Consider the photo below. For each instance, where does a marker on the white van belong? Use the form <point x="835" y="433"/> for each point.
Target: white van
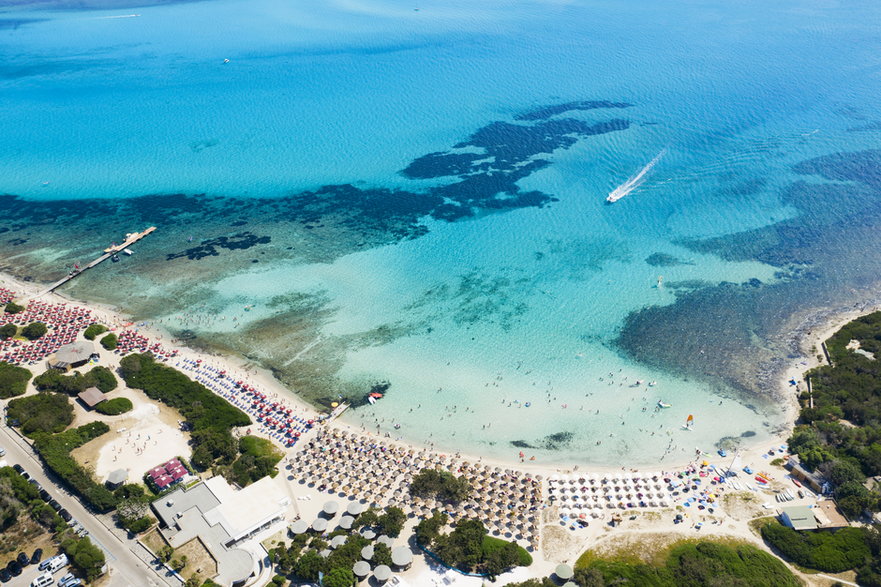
<point x="56" y="562"/>
<point x="43" y="580"/>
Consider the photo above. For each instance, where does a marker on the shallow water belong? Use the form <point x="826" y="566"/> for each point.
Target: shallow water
<point x="371" y="193"/>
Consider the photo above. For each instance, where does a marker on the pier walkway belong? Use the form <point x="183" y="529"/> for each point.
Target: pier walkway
<point x="130" y="239"/>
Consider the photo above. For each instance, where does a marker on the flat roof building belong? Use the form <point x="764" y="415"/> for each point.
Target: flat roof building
<point x="798" y="517"/>
<point x="222" y="517"/>
<point x="91" y="397"/>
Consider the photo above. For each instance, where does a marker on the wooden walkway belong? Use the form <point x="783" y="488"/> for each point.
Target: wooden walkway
<point x="130" y="239"/>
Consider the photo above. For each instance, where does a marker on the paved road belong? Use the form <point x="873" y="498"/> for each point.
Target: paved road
<point x="127" y="570"/>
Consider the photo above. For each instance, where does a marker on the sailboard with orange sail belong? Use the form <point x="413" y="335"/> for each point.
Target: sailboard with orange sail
<point x="689" y="422"/>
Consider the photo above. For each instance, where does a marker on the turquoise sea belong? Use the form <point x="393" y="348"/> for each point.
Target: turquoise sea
<point x="411" y="195"/>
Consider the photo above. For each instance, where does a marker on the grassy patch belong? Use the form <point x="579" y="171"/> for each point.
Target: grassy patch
<point x="43" y="412"/>
<point x="13" y="380"/>
<point x="115" y="406"/>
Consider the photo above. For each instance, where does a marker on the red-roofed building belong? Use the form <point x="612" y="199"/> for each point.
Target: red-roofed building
<point x="163" y="481"/>
<point x="178" y="473"/>
<point x="172" y="465"/>
<point x="156" y="473"/>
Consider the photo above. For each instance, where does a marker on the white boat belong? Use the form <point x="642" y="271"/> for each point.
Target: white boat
<point x="128" y="251"/>
<point x="634" y="182"/>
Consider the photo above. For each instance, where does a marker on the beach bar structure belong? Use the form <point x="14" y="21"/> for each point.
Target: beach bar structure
<point x="71" y="356"/>
<point x="91" y="397"/>
<point x="798" y="517"/>
<point x="812" y="480"/>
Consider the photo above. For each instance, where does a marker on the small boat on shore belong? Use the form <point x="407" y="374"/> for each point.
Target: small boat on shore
<point x="128" y="251"/>
<point x="664" y="405"/>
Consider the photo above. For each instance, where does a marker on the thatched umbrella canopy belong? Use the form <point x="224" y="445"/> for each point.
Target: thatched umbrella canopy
<point x="346" y="522"/>
<point x="564" y="572"/>
<point x="402" y="557"/>
<point x="367" y="552"/>
<point x="319" y="525"/>
<point x="298" y="527"/>
<point x="361" y="569"/>
<point x="337" y="541"/>
<point x="382" y="573"/>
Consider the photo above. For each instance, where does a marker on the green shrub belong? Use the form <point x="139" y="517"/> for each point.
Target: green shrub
<point x="109" y="342"/>
<point x="694" y="564"/>
<point x="94" y="330"/>
<point x="209" y="416"/>
<point x="55" y="450"/>
<point x="114" y="407"/>
<point x="84" y="556"/>
<point x="102" y="378"/>
<point x="13" y="380"/>
<point x="54" y="380"/>
<point x="41" y="413"/>
<point x="138" y="525"/>
<point x="13" y="308"/>
<point x="34" y="330"/>
<point x="831" y="552"/>
<point x="257" y="459"/>
<point x="440" y="485"/>
<point x="8" y="331"/>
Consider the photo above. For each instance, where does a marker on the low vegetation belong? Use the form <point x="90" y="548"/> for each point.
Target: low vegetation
<point x="55" y="449"/>
<point x="302" y="561"/>
<point x="115" y="406"/>
<point x="133" y="508"/>
<point x="13" y="380"/>
<point x="692" y="563"/>
<point x="831" y="552"/>
<point x="209" y="417"/>
<point x="389" y="521"/>
<point x="841" y="434"/>
<point x="21" y="497"/>
<point x="109" y="342"/>
<point x="54" y="380"/>
<point x="94" y="330"/>
<point x="258" y="458"/>
<point x="34" y="331"/>
<point x="44" y="412"/>
<point x="469" y="548"/>
<point x="87" y="558"/>
<point x="440" y="485"/>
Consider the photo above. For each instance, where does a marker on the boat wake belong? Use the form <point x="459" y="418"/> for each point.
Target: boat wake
<point x="634" y="182"/>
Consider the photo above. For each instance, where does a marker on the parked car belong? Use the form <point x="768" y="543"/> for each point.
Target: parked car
<point x="35" y="483"/>
<point x="5" y="575"/>
<point x="2" y="452"/>
<point x="18" y="468"/>
<point x="63" y="581"/>
<point x="14" y="568"/>
<point x="44" y="495"/>
<point x="23" y="559"/>
<point x="65" y="515"/>
<point x="54" y="505"/>
<point x="37" y="556"/>
<point x="43" y="580"/>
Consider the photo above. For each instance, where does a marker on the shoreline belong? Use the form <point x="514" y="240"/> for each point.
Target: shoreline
<point x="809" y="331"/>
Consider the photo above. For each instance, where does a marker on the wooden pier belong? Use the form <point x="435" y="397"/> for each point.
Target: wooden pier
<point x="130" y="239"/>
